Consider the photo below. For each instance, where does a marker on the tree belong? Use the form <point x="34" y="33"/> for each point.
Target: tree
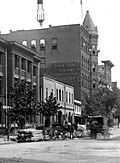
<point x="24" y="103"/>
<point x="49" y="108"/>
<point x="101" y="102"/>
<point x="116" y="111"/>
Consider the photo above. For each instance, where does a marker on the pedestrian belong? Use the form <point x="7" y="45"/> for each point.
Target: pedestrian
<point x="93" y="129"/>
<point x="71" y="130"/>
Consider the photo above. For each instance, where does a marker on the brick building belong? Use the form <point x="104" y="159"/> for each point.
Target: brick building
<point x="3" y="77"/>
<point x="70" y="52"/>
<point x="104" y="74"/>
<point x="17" y="63"/>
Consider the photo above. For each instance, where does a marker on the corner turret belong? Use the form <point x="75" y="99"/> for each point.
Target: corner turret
<point x="89" y="25"/>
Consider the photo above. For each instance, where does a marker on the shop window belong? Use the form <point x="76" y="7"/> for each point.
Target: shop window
<point x="42" y="44"/>
<point x="33" y="44"/>
<point x="24" y="43"/>
<point x="54" y="43"/>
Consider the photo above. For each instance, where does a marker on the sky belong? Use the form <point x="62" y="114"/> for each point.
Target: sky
<point x="22" y="14"/>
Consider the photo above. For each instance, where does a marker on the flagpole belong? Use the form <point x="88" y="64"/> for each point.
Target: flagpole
<point x="81" y="14"/>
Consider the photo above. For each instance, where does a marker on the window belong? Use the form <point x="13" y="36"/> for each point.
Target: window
<point x="34" y="70"/>
<point x="23" y="64"/>
<point x="16" y="81"/>
<point x="29" y="66"/>
<point x="24" y="43"/>
<point x="93" y="66"/>
<point x="66" y="96"/>
<point x="33" y="44"/>
<point x="1" y="84"/>
<point x="46" y="92"/>
<point x="1" y="58"/>
<point x="52" y="91"/>
<point x="69" y="97"/>
<point x="54" y="43"/>
<point x="34" y="90"/>
<point x="59" y="94"/>
<point x="72" y="99"/>
<point x="94" y="84"/>
<point x="93" y="52"/>
<point x="42" y="44"/>
<point x="17" y="58"/>
<point x="62" y="96"/>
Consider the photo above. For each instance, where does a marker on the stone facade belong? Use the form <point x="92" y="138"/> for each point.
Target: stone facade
<point x="64" y="94"/>
<point x="17" y="63"/>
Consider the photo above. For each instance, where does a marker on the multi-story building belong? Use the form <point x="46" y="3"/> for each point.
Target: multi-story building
<point x="77" y="112"/>
<point x="3" y="78"/>
<point x="64" y="94"/>
<point x="104" y="73"/>
<point x="17" y="62"/>
<point x="70" y="52"/>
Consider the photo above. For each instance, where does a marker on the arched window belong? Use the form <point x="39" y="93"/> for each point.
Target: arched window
<point x="24" y="43"/>
<point x="42" y="44"/>
<point x="33" y="44"/>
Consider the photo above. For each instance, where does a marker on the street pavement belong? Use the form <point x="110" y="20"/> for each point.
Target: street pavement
<point x="67" y="151"/>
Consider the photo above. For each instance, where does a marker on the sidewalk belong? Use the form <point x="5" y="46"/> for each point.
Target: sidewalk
<point x="3" y="140"/>
<point x="114" y="133"/>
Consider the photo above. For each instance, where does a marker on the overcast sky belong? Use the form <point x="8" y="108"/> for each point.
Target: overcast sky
<point x="22" y="14"/>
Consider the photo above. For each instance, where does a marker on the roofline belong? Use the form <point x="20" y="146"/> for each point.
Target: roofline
<point x="3" y="41"/>
<point x="108" y="62"/>
<point x="47" y="28"/>
<point x="53" y="78"/>
<point x="23" y="47"/>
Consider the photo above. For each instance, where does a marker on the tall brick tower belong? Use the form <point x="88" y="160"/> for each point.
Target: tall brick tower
<point x="93" y="43"/>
